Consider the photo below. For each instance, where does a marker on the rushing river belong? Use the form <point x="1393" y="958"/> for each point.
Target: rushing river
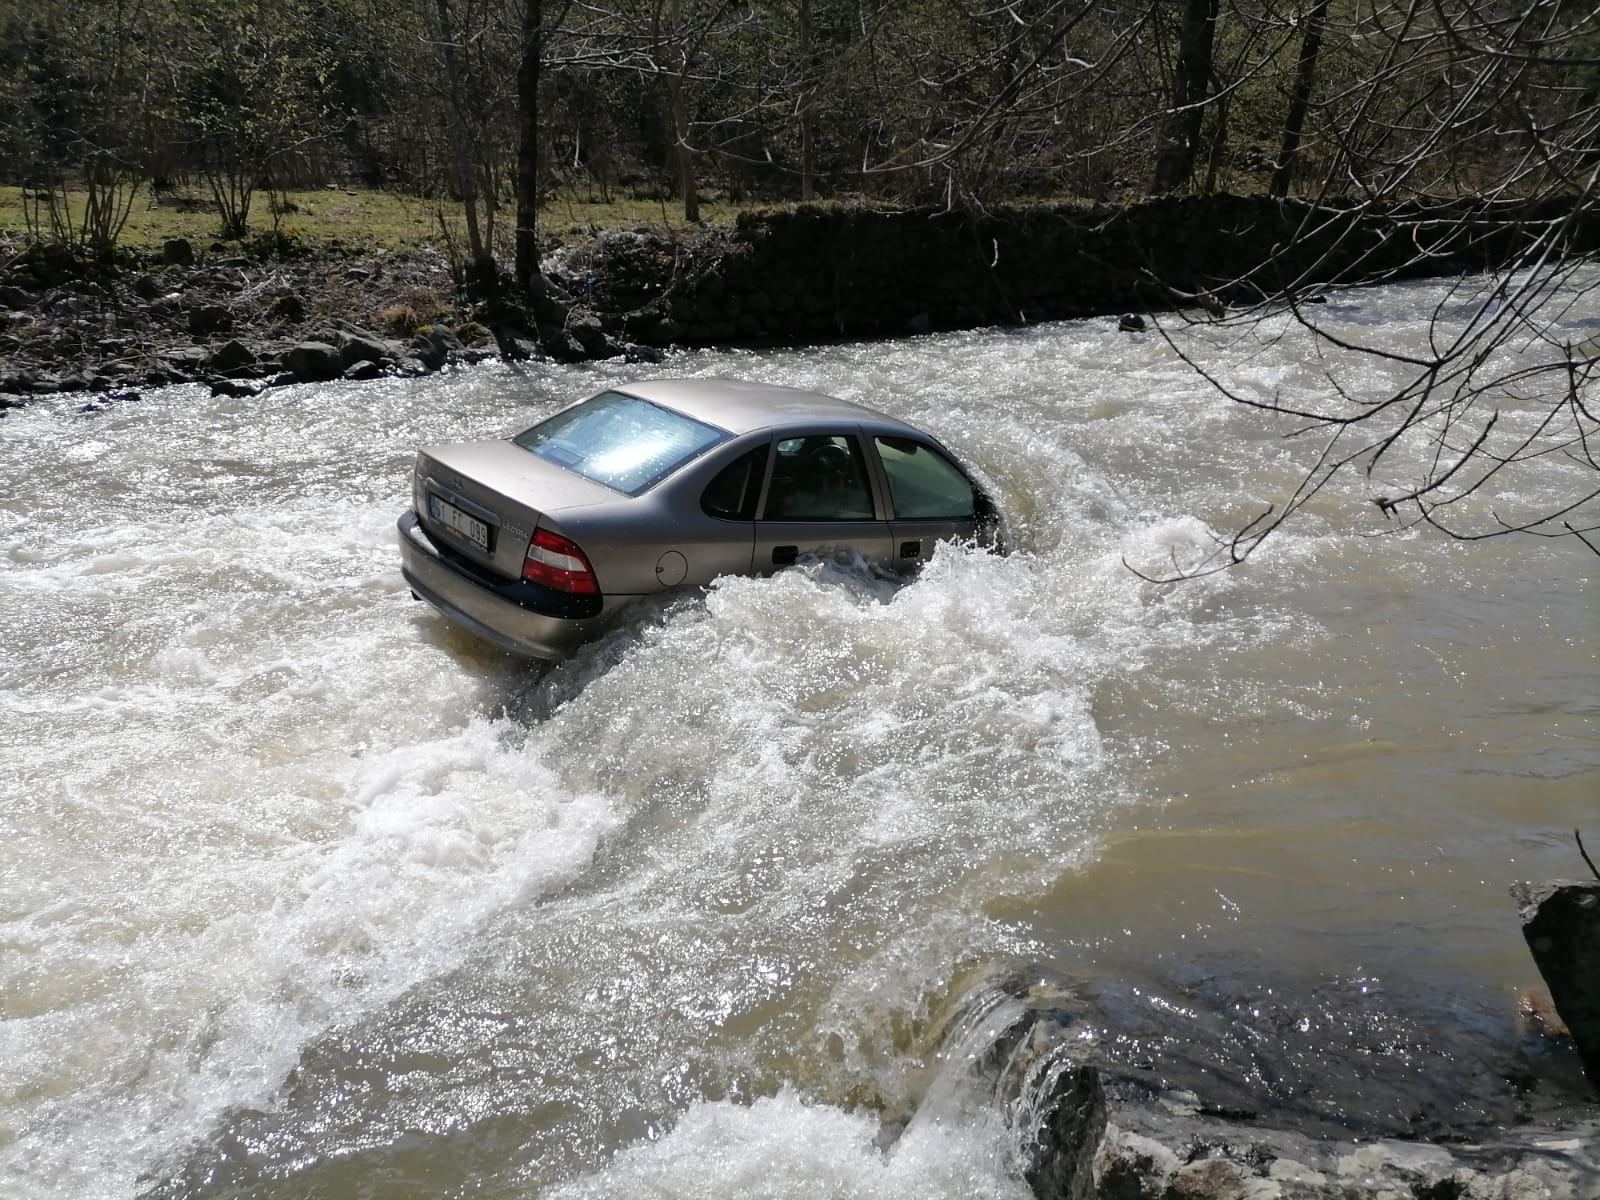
<point x="303" y="892"/>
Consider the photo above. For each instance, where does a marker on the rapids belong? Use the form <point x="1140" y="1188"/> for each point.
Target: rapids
<point x="304" y="892"/>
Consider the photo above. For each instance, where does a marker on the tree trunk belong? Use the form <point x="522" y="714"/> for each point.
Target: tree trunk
<point x="462" y="168"/>
<point x="529" y="279"/>
<point x="672" y="60"/>
<point x="679" y="103"/>
<point x="1180" y="139"/>
<point x="1305" y="74"/>
<point x="808" y="167"/>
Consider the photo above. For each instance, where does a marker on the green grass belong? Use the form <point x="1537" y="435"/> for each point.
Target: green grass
<point x="368" y="220"/>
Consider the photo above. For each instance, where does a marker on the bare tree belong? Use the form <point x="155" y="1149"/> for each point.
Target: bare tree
<point x="1305" y="76"/>
<point x="1498" y="102"/>
<point x="1180" y="138"/>
<point x="84" y="115"/>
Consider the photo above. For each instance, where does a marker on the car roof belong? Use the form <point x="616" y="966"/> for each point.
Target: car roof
<point x="742" y="407"/>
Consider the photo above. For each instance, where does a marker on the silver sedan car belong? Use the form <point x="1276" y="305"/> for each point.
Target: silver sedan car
<point x="537" y="542"/>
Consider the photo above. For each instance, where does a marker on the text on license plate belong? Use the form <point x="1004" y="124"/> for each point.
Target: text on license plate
<point x="452" y="518"/>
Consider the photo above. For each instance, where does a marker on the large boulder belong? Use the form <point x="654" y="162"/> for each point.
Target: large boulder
<point x="434" y="345"/>
<point x="1007" y="1045"/>
<point x="366" y="348"/>
<point x="314" y="362"/>
<point x="587" y="330"/>
<point x="1561" y="922"/>
<point x="232" y="357"/>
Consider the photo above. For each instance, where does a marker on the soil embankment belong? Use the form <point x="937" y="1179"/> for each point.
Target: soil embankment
<point x="241" y="323"/>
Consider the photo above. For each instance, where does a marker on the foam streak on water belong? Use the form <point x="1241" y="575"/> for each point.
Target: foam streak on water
<point x="299" y="887"/>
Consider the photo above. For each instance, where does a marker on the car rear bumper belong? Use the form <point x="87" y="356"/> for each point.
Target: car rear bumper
<point x="513" y="616"/>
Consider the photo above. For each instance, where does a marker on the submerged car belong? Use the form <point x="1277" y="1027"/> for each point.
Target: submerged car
<point x="537" y="542"/>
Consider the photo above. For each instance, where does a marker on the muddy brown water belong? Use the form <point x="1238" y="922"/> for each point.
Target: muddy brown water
<point x="303" y="892"/>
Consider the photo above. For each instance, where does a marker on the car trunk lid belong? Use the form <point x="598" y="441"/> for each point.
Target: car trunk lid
<point x="483" y="500"/>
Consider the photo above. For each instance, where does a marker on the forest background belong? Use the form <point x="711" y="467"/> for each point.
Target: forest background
<point x="488" y="109"/>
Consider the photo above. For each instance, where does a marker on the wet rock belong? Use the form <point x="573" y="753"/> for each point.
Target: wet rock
<point x="188" y="358"/>
<point x="1133" y="1167"/>
<point x="1069" y="1119"/>
<point x="19" y="383"/>
<point x="1208" y="1179"/>
<point x="231" y="357"/>
<point x="1151" y="1154"/>
<point x="314" y="362"/>
<point x="635" y="353"/>
<point x="562" y="347"/>
<point x="1537" y="1015"/>
<point x="1130" y="323"/>
<point x="1561" y="923"/>
<point x="235" y="388"/>
<point x="364" y="369"/>
<point x="177" y="252"/>
<point x="207" y="319"/>
<point x="1008" y="1045"/>
<point x="164" y="374"/>
<point x="514" y="347"/>
<point x="590" y="334"/>
<point x="434" y="345"/>
<point x="365" y="348"/>
<point x="441" y="337"/>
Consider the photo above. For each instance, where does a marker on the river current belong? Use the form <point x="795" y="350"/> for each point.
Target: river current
<point x="304" y="892"/>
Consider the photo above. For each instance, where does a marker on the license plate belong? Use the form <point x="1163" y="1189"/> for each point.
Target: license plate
<point x="462" y="524"/>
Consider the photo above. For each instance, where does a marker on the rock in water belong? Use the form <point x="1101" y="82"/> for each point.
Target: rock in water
<point x="314" y="362"/>
<point x="1066" y="1123"/>
<point x="1561" y="922"/>
<point x="1005" y="1048"/>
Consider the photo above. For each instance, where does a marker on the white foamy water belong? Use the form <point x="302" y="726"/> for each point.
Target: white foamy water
<point x="301" y="888"/>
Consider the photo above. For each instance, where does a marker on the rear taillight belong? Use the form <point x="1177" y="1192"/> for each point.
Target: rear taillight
<point x="556" y="562"/>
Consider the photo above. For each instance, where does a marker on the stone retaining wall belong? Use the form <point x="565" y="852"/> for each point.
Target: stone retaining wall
<point x="818" y="273"/>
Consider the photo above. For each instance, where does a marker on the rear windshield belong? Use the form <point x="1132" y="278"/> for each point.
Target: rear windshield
<point x="621" y="441"/>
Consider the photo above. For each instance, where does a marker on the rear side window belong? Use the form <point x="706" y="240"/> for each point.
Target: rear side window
<point x="923" y="482"/>
<point x="621" y="441"/>
<point x="732" y="495"/>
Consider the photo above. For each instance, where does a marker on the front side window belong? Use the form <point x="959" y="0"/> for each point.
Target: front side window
<point x="819" y="478"/>
<point x="923" y="483"/>
<point x="621" y="441"/>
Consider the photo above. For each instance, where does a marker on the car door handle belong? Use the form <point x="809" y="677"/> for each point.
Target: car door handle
<point x="910" y="549"/>
<point x="783" y="556"/>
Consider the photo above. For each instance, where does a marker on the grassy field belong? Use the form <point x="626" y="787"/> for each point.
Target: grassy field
<point x="373" y="220"/>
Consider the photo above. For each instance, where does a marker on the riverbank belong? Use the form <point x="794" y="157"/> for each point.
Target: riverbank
<point x="1152" y="1152"/>
<point x="242" y="318"/>
<point x="1095" y="1116"/>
